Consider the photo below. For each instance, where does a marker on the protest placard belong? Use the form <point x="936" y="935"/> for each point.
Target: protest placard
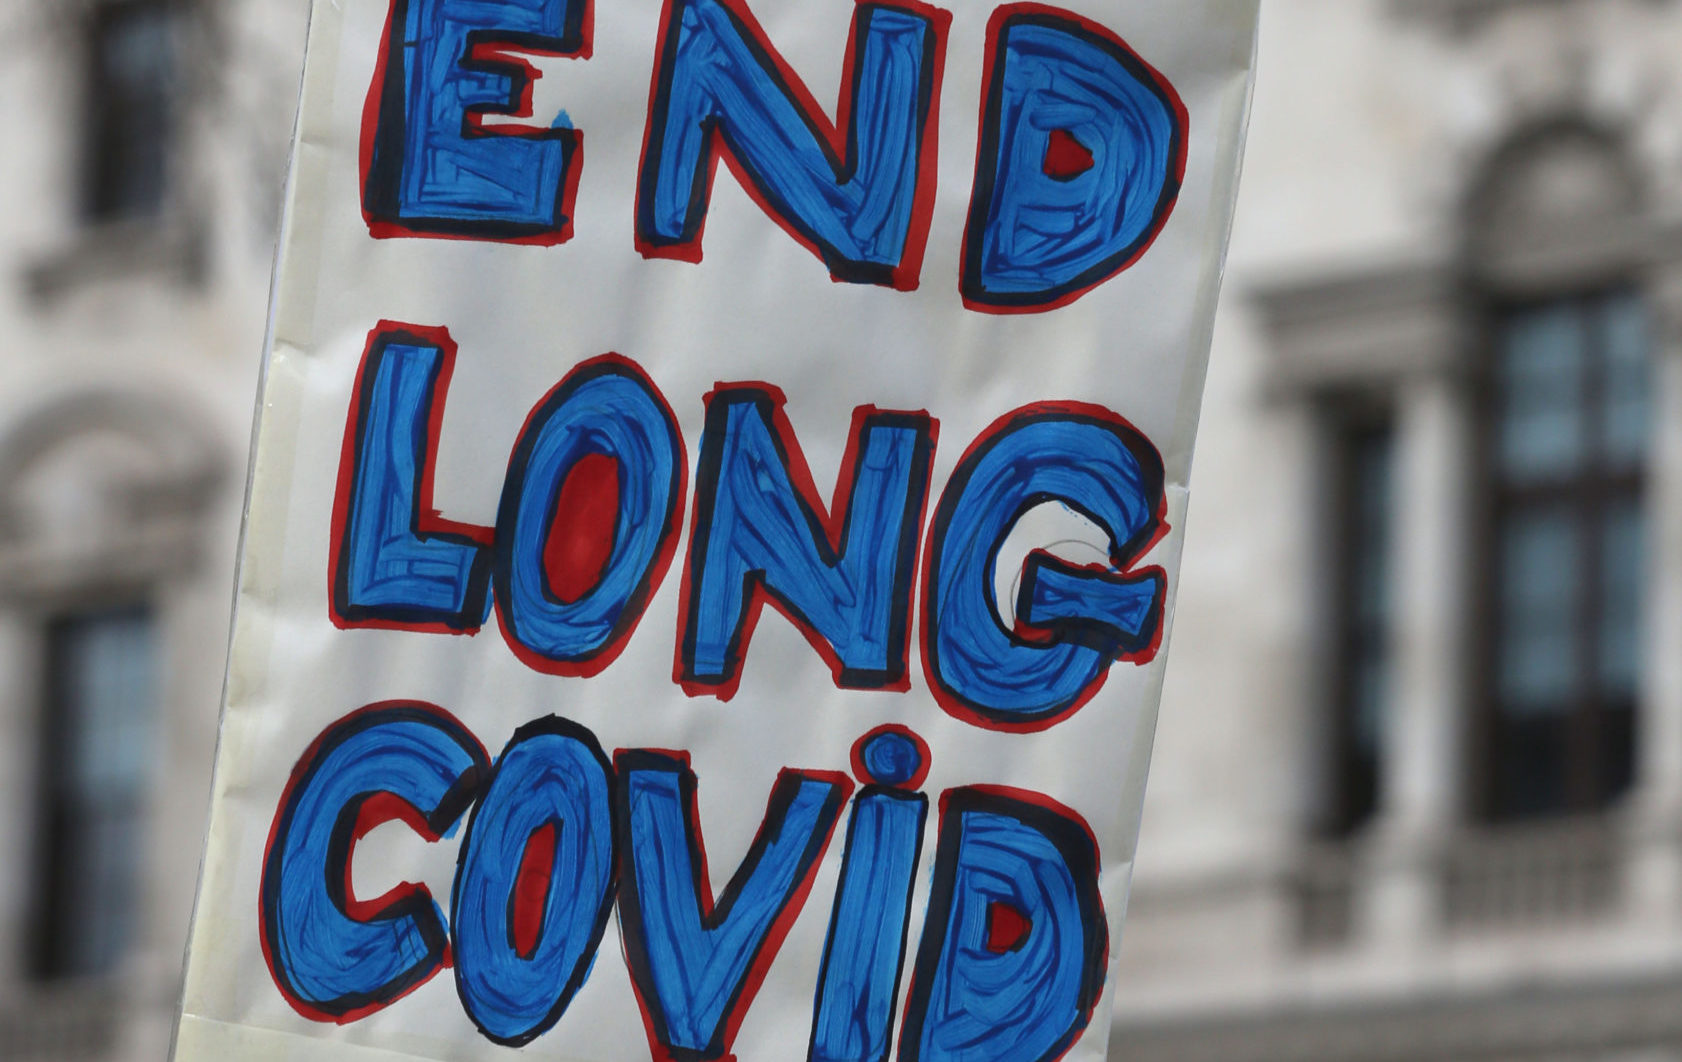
<point x="694" y="612"/>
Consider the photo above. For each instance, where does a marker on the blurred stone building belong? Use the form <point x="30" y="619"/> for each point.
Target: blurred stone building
<point x="1418" y="786"/>
<point x="139" y="183"/>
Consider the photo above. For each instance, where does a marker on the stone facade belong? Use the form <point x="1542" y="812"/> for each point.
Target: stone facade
<point x="1416" y="170"/>
<point x="127" y="377"/>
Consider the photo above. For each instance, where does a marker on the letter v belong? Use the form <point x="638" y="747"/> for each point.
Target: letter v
<point x="696" y="964"/>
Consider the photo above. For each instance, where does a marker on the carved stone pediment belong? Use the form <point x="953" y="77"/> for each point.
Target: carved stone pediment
<point x="102" y="487"/>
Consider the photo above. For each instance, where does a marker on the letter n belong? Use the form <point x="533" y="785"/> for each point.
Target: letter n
<point x="857" y="193"/>
<point x="761" y="534"/>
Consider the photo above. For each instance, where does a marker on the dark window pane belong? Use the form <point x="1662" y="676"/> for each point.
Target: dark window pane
<point x="129" y="125"/>
<point x="1370" y="591"/>
<point x="1624" y="410"/>
<point x="1616" y="729"/>
<point x="96" y="765"/>
<point x="1364" y="623"/>
<point x="1532" y="766"/>
<point x="1369" y="555"/>
<point x="1539" y="380"/>
<point x="1539" y="595"/>
<point x="1622" y="560"/>
<point x="1369" y="690"/>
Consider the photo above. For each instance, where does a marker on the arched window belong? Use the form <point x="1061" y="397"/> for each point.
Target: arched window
<point x="1564" y="450"/>
<point x="101" y="499"/>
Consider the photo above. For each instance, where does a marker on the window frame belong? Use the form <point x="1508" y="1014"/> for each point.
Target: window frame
<point x="46" y="960"/>
<point x="101" y="198"/>
<point x="1587" y="496"/>
<point x="1351" y="422"/>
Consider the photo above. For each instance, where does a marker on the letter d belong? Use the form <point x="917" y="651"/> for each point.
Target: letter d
<point x="1082" y="151"/>
<point x="1015" y="944"/>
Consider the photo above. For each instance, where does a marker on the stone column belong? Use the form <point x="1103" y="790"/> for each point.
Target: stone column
<point x="1655" y="863"/>
<point x="1422" y="771"/>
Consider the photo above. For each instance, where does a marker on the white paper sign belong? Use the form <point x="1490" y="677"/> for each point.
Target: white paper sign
<point x="693" y="612"/>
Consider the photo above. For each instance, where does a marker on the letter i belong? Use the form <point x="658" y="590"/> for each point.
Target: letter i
<point x="854" y="1012"/>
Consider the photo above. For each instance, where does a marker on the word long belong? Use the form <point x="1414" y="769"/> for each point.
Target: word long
<point x="1079" y="137"/>
<point x="589" y="518"/>
<point x="1014" y="943"/>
